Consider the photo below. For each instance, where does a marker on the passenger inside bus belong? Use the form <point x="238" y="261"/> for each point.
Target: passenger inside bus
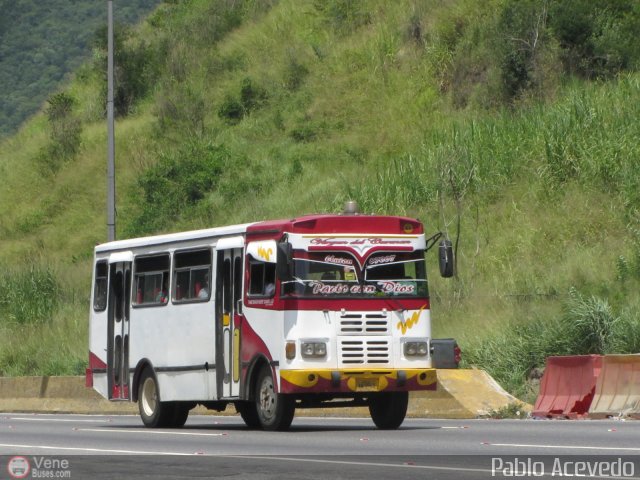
<point x="161" y="295"/>
<point x="202" y="291"/>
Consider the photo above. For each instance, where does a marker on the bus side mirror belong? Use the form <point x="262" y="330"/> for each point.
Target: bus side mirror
<point x="284" y="261"/>
<point x="445" y="253"/>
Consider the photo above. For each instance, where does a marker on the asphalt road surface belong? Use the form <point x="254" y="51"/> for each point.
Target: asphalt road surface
<point x="115" y="447"/>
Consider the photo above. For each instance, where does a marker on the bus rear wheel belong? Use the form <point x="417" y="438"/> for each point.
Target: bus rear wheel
<point x="275" y="410"/>
<point x="153" y="412"/>
<point x="388" y="409"/>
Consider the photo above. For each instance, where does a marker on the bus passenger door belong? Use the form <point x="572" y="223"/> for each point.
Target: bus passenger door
<point x="228" y="293"/>
<point x="118" y="330"/>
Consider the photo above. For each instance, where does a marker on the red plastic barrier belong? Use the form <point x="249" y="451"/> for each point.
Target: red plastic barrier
<point x="568" y="386"/>
<point x="618" y="388"/>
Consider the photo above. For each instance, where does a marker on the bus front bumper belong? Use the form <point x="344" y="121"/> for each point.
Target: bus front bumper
<point x="357" y="381"/>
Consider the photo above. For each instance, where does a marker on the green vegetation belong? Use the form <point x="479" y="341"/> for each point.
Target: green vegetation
<point x="510" y="125"/>
<point x="42" y="42"/>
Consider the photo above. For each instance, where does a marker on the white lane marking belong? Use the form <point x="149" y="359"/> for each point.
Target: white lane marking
<point x="34" y="419"/>
<point x="152" y="432"/>
<point x="367" y="464"/>
<point x="83" y="415"/>
<point x="94" y="450"/>
<point x="576" y="447"/>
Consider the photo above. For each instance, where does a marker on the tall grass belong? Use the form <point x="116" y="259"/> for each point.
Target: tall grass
<point x="586" y="137"/>
<point x="28" y="296"/>
<point x="43" y="323"/>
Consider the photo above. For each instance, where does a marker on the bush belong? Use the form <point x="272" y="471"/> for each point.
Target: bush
<point x="179" y="181"/>
<point x="180" y="109"/>
<point x="64" y="133"/>
<point x="252" y="97"/>
<point x="295" y="74"/>
<point x="136" y="67"/>
<point x="597" y="36"/>
<point x="304" y="133"/>
<point x="523" y="37"/>
<point x="231" y="110"/>
<point x="590" y="323"/>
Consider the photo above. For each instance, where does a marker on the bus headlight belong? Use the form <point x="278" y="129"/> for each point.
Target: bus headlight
<point x="313" y="349"/>
<point x="416" y="349"/>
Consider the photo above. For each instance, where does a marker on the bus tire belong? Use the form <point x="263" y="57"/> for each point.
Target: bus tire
<point x="275" y="410"/>
<point x="153" y="412"/>
<point x="180" y="414"/>
<point x="249" y="413"/>
<point x="388" y="409"/>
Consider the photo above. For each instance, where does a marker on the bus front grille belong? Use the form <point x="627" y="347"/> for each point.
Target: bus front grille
<point x="367" y="323"/>
<point x="363" y="352"/>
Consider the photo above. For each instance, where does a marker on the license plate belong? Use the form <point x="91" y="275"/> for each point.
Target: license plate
<point x="366" y="384"/>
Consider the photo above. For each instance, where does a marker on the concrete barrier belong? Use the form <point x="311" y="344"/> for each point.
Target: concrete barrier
<point x="56" y="395"/>
<point x="618" y="388"/>
<point x="568" y="386"/>
<point x="461" y="394"/>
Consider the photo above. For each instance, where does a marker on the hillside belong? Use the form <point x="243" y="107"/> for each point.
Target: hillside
<point x="41" y="42"/>
<point x="510" y="125"/>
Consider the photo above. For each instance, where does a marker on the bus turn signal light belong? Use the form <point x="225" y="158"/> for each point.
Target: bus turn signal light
<point x="290" y="350"/>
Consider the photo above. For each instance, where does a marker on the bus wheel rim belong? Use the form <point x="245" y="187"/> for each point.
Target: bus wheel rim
<point x="267" y="399"/>
<point x="149" y="397"/>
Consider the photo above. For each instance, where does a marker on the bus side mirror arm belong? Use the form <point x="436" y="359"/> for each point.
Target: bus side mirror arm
<point x="431" y="241"/>
<point x="284" y="261"/>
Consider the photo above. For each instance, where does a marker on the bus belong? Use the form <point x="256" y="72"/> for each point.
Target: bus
<point x="328" y="310"/>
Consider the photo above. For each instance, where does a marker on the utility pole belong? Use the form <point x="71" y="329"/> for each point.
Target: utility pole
<point x="111" y="165"/>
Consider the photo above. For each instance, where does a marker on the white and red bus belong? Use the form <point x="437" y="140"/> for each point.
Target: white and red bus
<point x="316" y="311"/>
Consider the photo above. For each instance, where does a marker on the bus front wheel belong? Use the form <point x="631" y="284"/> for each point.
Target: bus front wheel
<point x="249" y="414"/>
<point x="388" y="409"/>
<point x="275" y="410"/>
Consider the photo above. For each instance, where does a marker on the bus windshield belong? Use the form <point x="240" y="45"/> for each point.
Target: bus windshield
<point x="340" y="275"/>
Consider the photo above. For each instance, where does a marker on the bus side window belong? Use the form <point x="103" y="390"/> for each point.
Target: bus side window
<point x="262" y="279"/>
<point x="100" y="287"/>
<point x="151" y="280"/>
<point x="191" y="275"/>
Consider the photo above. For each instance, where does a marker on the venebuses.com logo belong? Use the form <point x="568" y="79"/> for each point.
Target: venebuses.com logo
<point x="38" y="467"/>
<point x="18" y="467"/>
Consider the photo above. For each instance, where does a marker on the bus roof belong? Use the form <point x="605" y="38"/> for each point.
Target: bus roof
<point x="343" y="224"/>
<point x="172" y="237"/>
<point x="319" y="224"/>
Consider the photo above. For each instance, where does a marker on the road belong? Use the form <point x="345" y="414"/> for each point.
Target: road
<point x="314" y="448"/>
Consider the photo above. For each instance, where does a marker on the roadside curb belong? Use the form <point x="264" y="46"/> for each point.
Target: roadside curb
<point x="461" y="394"/>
